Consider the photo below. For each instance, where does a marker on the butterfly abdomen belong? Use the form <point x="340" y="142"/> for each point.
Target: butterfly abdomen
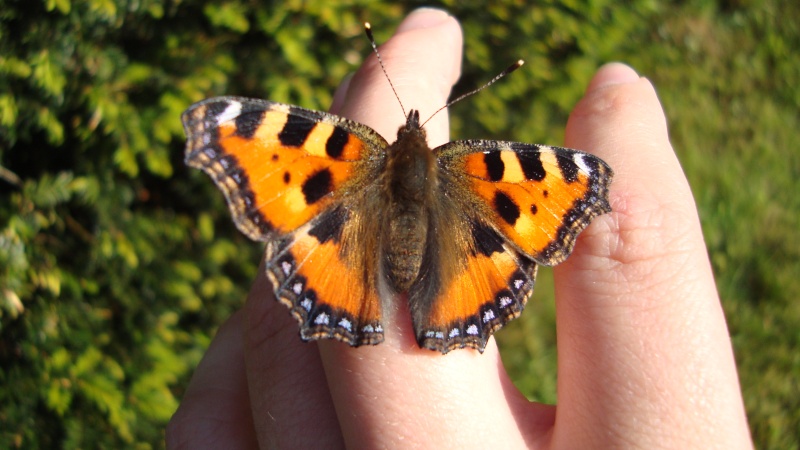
<point x="409" y="182"/>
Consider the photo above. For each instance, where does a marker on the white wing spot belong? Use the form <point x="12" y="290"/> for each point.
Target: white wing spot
<point x="518" y="283"/>
<point x="344" y="323"/>
<point x="286" y="266"/>
<point x="430" y="334"/>
<point x="368" y="329"/>
<point x="439" y="335"/>
<point x="472" y="330"/>
<point x="488" y="316"/>
<point x="306" y="304"/>
<point x="505" y="301"/>
<point x="453" y="333"/>
<point x="379" y="329"/>
<point x="297" y="288"/>
<point x="231" y="112"/>
<point x="578" y="158"/>
<point x="322" y="319"/>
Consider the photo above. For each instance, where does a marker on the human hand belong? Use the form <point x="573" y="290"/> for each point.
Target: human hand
<point x="644" y="357"/>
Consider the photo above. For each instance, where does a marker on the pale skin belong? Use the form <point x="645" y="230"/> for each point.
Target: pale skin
<point x="644" y="355"/>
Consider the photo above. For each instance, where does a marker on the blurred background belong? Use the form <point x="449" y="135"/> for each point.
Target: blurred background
<point x="117" y="263"/>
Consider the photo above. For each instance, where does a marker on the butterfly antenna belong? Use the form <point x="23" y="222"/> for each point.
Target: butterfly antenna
<point x="368" y="30"/>
<point x="494" y="80"/>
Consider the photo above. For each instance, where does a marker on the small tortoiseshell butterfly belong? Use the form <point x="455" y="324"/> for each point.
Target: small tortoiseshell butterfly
<point x="351" y="221"/>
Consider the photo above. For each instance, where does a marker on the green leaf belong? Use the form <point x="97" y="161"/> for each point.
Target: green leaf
<point x="63" y="6"/>
<point x="228" y="15"/>
<point x="47" y="73"/>
<point x="50" y="124"/>
<point x="104" y="8"/>
<point x="15" y="67"/>
<point x="8" y="110"/>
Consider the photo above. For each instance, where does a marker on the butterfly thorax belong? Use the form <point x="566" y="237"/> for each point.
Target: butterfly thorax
<point x="410" y="181"/>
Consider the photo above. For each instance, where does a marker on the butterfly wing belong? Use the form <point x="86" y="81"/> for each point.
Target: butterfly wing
<point x="468" y="291"/>
<point x="523" y="204"/>
<point x="539" y="197"/>
<point x="290" y="177"/>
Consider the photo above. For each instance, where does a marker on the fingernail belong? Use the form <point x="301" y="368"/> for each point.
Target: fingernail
<point x="613" y="74"/>
<point x="423" y="18"/>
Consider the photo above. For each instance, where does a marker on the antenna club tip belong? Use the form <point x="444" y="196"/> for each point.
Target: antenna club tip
<point x="368" y="31"/>
<point x="520" y="62"/>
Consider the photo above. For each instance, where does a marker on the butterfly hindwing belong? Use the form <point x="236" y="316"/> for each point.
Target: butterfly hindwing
<point x="288" y="175"/>
<point x="328" y="295"/>
<point x="481" y="286"/>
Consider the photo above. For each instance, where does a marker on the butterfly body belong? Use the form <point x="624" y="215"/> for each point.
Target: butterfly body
<point x="410" y="184"/>
<point x="350" y="221"/>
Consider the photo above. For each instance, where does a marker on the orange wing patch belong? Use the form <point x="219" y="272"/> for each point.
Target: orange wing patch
<point x="540" y="197"/>
<point x="329" y="297"/>
<point x="277" y="167"/>
<point x="490" y="290"/>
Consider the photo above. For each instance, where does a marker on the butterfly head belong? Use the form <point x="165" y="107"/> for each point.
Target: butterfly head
<point x="411" y="127"/>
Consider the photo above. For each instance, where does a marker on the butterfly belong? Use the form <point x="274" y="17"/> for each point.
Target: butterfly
<point x="351" y="222"/>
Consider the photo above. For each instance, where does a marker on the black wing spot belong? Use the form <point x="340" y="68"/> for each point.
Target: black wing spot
<point x="486" y="240"/>
<point x="568" y="169"/>
<point x="506" y="207"/>
<point x="247" y="124"/>
<point x="545" y="193"/>
<point x="296" y="131"/>
<point x="531" y="166"/>
<point x="275" y="157"/>
<point x="287" y="177"/>
<point x="494" y="165"/>
<point x="335" y="144"/>
<point x="215" y="109"/>
<point x="317" y="186"/>
<point x="534" y="209"/>
<point x="329" y="226"/>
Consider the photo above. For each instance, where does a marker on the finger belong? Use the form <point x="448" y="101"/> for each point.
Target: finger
<point x="288" y="389"/>
<point x="215" y="411"/>
<point x="644" y="352"/>
<point x="395" y="394"/>
<point x="422" y="82"/>
<point x="287" y="380"/>
<point x="340" y="95"/>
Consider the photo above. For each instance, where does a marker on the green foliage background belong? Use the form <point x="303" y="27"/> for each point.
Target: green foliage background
<point x="117" y="263"/>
